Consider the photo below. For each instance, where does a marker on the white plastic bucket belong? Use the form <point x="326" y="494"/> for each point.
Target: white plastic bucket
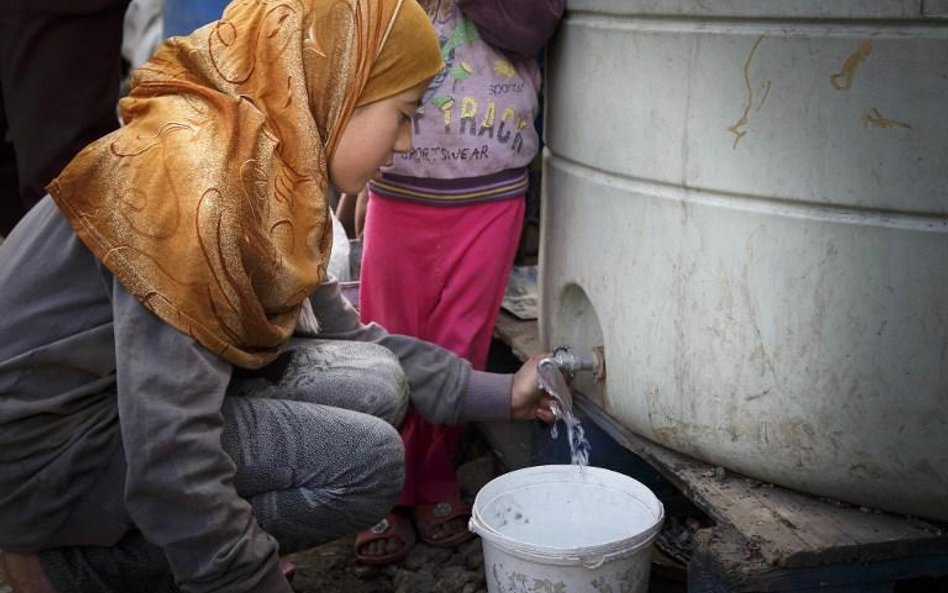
<point x="567" y="529"/>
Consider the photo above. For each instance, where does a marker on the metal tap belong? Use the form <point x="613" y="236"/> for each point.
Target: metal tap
<point x="570" y="363"/>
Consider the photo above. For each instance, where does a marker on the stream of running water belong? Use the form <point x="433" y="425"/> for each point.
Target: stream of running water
<point x="552" y="381"/>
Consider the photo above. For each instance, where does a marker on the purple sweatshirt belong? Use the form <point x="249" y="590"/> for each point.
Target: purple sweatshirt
<point x="473" y="135"/>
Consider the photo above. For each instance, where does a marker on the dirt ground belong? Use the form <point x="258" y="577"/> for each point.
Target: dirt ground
<point x="332" y="567"/>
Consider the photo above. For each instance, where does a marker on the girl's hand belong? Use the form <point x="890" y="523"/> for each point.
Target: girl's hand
<point x="527" y="400"/>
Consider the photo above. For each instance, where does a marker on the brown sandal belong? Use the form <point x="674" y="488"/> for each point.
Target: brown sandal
<point x="428" y="517"/>
<point x="393" y="526"/>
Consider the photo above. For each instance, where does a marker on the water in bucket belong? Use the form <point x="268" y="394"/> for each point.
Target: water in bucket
<point x="566" y="529"/>
<point x="551" y="380"/>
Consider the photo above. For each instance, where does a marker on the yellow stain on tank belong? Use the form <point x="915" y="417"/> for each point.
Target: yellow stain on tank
<point x="739" y="128"/>
<point x="843" y="80"/>
<point x="873" y="117"/>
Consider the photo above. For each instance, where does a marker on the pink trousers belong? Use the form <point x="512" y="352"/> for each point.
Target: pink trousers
<point x="437" y="273"/>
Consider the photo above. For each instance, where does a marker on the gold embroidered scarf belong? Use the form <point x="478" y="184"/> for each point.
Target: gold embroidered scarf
<point x="209" y="204"/>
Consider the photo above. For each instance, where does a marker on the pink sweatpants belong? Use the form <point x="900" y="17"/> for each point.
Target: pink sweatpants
<point x="437" y="273"/>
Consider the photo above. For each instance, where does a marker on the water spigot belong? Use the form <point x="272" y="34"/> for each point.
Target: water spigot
<point x="570" y="362"/>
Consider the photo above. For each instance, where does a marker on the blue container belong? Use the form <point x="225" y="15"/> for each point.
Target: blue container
<point x="183" y="16"/>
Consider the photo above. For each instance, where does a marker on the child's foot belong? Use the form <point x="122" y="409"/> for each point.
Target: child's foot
<point x="444" y="524"/>
<point x="387" y="542"/>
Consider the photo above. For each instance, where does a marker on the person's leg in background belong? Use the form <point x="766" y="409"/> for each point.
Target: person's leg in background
<point x="475" y="265"/>
<point x="397" y="287"/>
<point x="438" y="273"/>
<point x="60" y="72"/>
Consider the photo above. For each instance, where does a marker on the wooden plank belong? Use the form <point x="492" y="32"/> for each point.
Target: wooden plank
<point x="724" y="562"/>
<point x="789" y="529"/>
<point x="522" y="336"/>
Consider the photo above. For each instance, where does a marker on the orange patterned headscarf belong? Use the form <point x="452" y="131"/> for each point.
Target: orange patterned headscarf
<point x="209" y="204"/>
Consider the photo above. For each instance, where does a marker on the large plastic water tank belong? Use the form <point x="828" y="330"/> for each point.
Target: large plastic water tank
<point x="746" y="204"/>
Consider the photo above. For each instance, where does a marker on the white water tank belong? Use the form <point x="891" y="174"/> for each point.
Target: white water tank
<point x="746" y="205"/>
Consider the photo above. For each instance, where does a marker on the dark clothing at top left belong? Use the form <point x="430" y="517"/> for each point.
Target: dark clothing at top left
<point x="60" y="71"/>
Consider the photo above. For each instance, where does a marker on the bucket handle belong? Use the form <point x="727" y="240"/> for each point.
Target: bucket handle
<point x="594" y="562"/>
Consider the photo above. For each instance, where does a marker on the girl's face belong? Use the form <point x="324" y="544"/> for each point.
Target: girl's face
<point x="375" y="132"/>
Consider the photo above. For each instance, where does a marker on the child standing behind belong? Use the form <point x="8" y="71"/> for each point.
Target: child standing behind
<point x="442" y="229"/>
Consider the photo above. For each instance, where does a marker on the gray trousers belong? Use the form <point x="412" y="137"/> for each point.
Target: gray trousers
<point x="316" y="453"/>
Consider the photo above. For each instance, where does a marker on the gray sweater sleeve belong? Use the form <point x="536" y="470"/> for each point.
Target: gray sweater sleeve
<point x="444" y="387"/>
<point x="179" y="488"/>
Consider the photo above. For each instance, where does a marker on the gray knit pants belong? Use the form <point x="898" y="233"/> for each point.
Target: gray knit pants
<point x="316" y="453"/>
